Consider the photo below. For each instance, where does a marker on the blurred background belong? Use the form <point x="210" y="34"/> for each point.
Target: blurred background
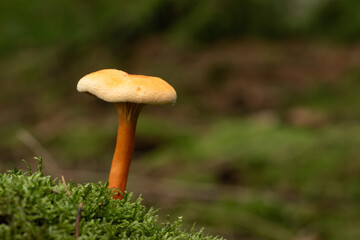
<point x="263" y="142"/>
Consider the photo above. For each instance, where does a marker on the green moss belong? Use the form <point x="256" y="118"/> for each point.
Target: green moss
<point x="33" y="206"/>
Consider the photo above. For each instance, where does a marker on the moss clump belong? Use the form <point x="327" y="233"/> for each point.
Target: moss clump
<point x="33" y="206"/>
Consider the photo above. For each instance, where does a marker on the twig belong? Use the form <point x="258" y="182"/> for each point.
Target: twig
<point x="54" y="191"/>
<point x="166" y="222"/>
<point x="78" y="218"/>
<point x="64" y="182"/>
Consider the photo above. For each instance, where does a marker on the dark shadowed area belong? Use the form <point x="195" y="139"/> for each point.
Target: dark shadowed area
<point x="263" y="142"/>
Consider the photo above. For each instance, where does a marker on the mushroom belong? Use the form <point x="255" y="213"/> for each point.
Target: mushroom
<point x="129" y="93"/>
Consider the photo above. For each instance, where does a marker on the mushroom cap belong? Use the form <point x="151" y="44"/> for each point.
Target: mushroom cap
<point x="114" y="85"/>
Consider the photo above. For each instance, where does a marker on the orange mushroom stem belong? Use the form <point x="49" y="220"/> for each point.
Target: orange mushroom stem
<point x="128" y="115"/>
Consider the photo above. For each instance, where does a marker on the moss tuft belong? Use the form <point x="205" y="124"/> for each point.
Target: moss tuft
<point x="33" y="206"/>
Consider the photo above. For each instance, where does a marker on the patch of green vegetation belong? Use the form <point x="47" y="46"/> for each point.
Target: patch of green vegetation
<point x="73" y="24"/>
<point x="286" y="180"/>
<point x="340" y="100"/>
<point x="33" y="206"/>
<point x="256" y="216"/>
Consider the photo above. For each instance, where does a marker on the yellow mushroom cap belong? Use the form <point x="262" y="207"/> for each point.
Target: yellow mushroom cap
<point x="114" y="85"/>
